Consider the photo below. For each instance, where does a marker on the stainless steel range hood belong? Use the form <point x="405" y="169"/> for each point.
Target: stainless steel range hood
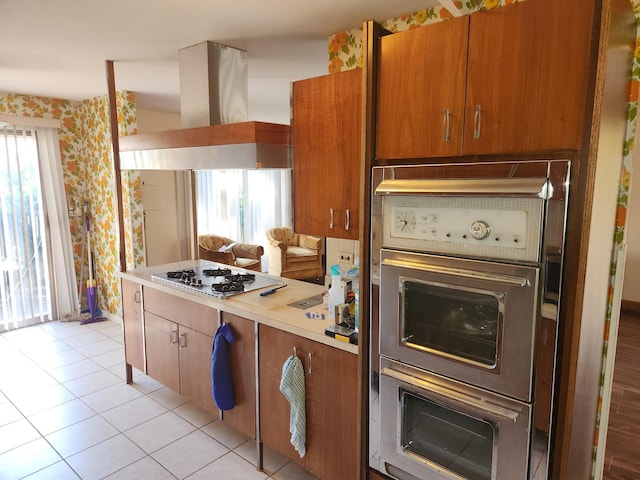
<point x="215" y="132"/>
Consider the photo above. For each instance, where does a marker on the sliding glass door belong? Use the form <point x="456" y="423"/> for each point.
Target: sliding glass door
<point x="24" y="287"/>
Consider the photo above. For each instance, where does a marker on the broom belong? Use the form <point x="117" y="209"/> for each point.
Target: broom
<point x="92" y="293"/>
<point x="79" y="314"/>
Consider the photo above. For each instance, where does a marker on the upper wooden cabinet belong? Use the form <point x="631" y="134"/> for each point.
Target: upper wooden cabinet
<point x="326" y="154"/>
<point x="421" y="91"/>
<point x="525" y="66"/>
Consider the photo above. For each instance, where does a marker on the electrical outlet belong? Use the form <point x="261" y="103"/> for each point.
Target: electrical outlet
<point x="345" y="257"/>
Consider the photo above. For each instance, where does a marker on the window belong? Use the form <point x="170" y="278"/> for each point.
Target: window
<point x="243" y="204"/>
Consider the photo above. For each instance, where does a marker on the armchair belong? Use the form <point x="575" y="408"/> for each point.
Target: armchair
<point x="294" y="255"/>
<point x="243" y="255"/>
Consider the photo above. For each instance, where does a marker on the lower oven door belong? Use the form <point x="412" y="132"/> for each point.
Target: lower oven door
<point x="470" y="320"/>
<point x="432" y="427"/>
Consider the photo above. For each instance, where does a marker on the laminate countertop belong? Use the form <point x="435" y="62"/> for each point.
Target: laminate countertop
<point x="272" y="310"/>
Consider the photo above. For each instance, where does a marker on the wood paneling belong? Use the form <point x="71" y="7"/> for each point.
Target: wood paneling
<point x="195" y="367"/>
<point x="527" y="70"/>
<point x="186" y="312"/>
<point x="242" y="359"/>
<point x="330" y="397"/>
<point x="327" y="117"/>
<point x="621" y="458"/>
<point x="232" y="133"/>
<point x="422" y="73"/>
<point x="132" y="323"/>
<point x="162" y="350"/>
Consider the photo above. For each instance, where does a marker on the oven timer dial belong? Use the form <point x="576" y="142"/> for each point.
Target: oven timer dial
<point x="479" y="230"/>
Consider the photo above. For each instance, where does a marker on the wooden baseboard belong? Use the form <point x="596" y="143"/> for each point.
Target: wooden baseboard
<point x="375" y="475"/>
<point x="630" y="306"/>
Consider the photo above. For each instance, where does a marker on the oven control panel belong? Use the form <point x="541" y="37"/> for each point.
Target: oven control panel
<point x="497" y="227"/>
<point x="504" y="227"/>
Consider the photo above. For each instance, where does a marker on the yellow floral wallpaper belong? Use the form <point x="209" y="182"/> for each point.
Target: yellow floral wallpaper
<point x="87" y="165"/>
<point x="345" y="48"/>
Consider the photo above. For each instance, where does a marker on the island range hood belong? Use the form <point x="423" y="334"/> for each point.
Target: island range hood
<point x="215" y="133"/>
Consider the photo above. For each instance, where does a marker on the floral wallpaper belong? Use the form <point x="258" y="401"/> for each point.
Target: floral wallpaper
<point x="87" y="164"/>
<point x="345" y="48"/>
<point x="101" y="193"/>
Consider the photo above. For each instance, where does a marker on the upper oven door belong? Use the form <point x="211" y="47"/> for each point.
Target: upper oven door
<point x="470" y="320"/>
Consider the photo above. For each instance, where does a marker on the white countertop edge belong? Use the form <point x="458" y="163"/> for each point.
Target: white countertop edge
<point x="272" y="310"/>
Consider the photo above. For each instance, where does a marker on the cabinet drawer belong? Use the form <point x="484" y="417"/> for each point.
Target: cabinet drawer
<point x="185" y="312"/>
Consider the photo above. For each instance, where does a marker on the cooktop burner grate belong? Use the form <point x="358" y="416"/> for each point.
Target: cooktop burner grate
<point x="217" y="280"/>
<point x="216" y="272"/>
<point x="240" y="278"/>
<point x="228" y="287"/>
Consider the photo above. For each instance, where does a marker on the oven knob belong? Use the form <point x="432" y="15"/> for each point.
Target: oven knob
<point x="479" y="230"/>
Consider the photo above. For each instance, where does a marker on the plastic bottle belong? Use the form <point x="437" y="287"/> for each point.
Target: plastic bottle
<point x="336" y="291"/>
<point x="354" y="275"/>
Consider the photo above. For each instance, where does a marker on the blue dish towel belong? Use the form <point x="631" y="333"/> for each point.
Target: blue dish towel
<point x="221" y="384"/>
<point x="292" y="386"/>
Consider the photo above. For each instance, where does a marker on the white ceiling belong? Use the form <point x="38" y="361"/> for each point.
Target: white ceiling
<point x="58" y="48"/>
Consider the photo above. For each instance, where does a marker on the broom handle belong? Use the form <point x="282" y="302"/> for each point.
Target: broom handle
<point x="89" y="256"/>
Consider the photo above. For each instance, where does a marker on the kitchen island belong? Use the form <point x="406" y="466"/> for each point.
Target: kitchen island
<point x="169" y="334"/>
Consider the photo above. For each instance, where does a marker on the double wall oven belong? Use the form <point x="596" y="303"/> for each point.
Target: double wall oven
<point x="466" y="264"/>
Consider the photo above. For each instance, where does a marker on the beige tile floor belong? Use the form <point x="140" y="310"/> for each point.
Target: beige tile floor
<point x="67" y="413"/>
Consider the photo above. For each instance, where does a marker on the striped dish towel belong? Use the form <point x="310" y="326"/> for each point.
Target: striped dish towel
<point x="292" y="386"/>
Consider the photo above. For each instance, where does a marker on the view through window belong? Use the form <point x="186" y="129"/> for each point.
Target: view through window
<point x="243" y="204"/>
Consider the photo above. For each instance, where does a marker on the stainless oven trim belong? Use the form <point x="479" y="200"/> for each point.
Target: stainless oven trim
<point x="533" y="187"/>
<point x="402" y="341"/>
<point x="518" y="281"/>
<point x="452" y="396"/>
<point x="511" y="419"/>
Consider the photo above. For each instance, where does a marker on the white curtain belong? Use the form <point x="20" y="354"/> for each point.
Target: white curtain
<point x="267" y="203"/>
<point x="219" y="203"/>
<point x="243" y="204"/>
<point x="38" y="277"/>
<point x="65" y="294"/>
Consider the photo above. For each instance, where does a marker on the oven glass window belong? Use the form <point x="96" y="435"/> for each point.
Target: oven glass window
<point x="450" y="320"/>
<point x="457" y="442"/>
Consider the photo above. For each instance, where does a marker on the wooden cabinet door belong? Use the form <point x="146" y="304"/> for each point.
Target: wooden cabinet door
<point x="421" y="91"/>
<point x="274" y="347"/>
<point x="330" y="402"/>
<point x="242" y="358"/>
<point x="527" y="70"/>
<point x="332" y="425"/>
<point x="195" y="367"/>
<point x="326" y="154"/>
<point x="132" y="323"/>
<point x="161" y="339"/>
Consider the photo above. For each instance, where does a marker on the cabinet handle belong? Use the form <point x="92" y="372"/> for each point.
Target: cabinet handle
<point x="137" y="296"/>
<point x="446" y="125"/>
<point x="477" y="121"/>
<point x="347" y="219"/>
<point x="183" y="340"/>
<point x="309" y="368"/>
<point x="173" y="337"/>
<point x="331" y="218"/>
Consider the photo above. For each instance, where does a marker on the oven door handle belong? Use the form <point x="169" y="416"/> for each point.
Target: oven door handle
<point x="453" y="395"/>
<point x="459" y="272"/>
